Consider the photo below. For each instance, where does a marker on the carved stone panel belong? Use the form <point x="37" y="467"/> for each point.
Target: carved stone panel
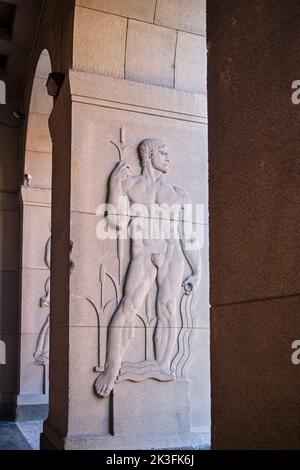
<point x="150" y="292"/>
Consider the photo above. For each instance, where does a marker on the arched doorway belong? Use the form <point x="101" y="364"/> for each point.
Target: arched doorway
<point x="35" y="270"/>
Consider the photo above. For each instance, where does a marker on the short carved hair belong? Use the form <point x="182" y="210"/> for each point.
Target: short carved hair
<point x="147" y="147"/>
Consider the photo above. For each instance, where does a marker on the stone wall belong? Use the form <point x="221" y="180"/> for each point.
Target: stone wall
<point x="9" y="251"/>
<point x="35" y="267"/>
<point x="160" y="42"/>
<point x="134" y="69"/>
<point x="25" y="150"/>
<point x="51" y="53"/>
<point x="254" y="223"/>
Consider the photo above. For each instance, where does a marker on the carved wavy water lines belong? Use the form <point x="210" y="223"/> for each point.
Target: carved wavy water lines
<point x="189" y="316"/>
<point x="139" y="365"/>
<point x="141" y="376"/>
<point x="180" y="361"/>
<point x="176" y="359"/>
<point x="184" y="341"/>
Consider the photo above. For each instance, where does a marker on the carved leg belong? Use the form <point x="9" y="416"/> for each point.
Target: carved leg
<point x="42" y="348"/>
<point x="169" y="280"/>
<point x="166" y="334"/>
<point x="116" y="346"/>
<point x="140" y="278"/>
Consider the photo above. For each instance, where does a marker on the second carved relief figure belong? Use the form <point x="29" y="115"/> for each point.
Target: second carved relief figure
<point x="155" y="258"/>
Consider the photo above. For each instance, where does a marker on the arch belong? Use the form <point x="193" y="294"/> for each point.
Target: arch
<point x="36" y="233"/>
<point x="38" y="145"/>
<point x="47" y="41"/>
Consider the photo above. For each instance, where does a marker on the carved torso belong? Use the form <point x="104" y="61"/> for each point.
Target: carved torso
<point x="140" y="190"/>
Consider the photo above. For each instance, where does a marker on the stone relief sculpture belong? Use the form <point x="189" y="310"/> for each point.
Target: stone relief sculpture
<point x="155" y="261"/>
<point x="45" y="299"/>
<point x="41" y="353"/>
<point x="121" y="147"/>
<point x="101" y="310"/>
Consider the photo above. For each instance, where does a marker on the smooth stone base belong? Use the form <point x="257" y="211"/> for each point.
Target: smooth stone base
<point x="155" y="416"/>
<point x="190" y="441"/>
<point x="153" y="407"/>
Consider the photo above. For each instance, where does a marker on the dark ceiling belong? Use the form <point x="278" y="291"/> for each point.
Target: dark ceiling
<point x="18" y="26"/>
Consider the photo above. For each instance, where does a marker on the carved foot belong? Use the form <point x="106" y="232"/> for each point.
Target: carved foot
<point x="167" y="374"/>
<point x="105" y="383"/>
<point x="41" y="359"/>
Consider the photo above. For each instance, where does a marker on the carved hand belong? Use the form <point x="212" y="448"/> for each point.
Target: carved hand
<point x="190" y="283"/>
<point x="120" y="173"/>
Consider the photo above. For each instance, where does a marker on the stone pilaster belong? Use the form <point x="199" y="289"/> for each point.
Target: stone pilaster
<point x="109" y="103"/>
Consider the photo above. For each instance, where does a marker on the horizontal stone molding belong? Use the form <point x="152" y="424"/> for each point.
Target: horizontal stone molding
<point x="138" y="97"/>
<point x="35" y="197"/>
<point x="136" y="9"/>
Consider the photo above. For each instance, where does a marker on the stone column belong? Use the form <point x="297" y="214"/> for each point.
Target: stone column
<point x="254" y="223"/>
<point x="122" y="90"/>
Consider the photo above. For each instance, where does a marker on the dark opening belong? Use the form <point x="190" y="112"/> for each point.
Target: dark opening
<point x="7" y="16"/>
<point x="3" y="61"/>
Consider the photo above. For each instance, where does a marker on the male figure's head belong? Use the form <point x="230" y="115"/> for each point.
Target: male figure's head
<point x="154" y="152"/>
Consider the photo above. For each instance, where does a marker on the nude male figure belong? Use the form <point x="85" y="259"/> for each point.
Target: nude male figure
<point x="152" y="260"/>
